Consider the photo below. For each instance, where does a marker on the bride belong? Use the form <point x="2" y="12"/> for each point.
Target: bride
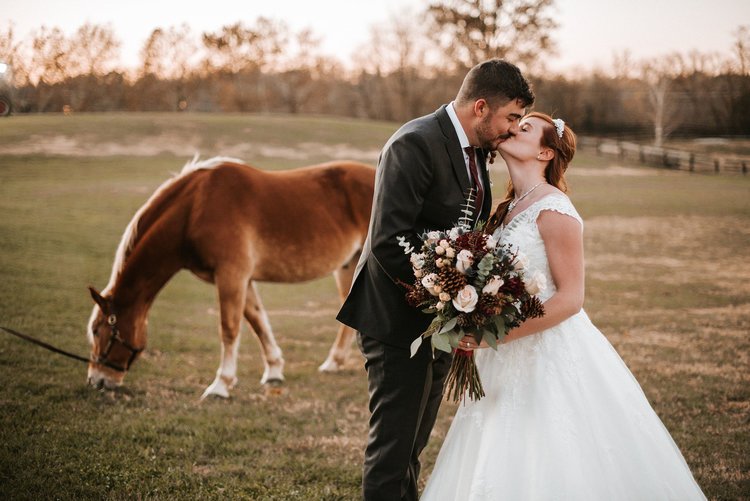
<point x="563" y="418"/>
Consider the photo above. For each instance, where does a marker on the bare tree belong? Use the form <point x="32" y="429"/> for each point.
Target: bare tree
<point x="93" y="50"/>
<point x="168" y="53"/>
<point x="658" y="74"/>
<point x="470" y="31"/>
<point x="238" y="47"/>
<point x="741" y="48"/>
<point x="12" y="53"/>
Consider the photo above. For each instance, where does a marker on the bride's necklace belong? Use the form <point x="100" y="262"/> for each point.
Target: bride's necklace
<point x="514" y="202"/>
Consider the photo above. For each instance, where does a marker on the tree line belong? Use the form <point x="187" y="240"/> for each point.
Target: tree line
<point x="405" y="69"/>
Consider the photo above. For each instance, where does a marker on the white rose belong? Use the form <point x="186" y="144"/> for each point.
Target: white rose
<point x="493" y="285"/>
<point x="450" y="252"/>
<point x="537" y="283"/>
<point x="521" y="262"/>
<point x="444" y="244"/>
<point x="439" y="250"/>
<point x="417" y="261"/>
<point x="444" y="297"/>
<point x="490" y="243"/>
<point x="466" y="299"/>
<point x="453" y="233"/>
<point x="464" y="260"/>
<point x="429" y="283"/>
<point x="432" y="236"/>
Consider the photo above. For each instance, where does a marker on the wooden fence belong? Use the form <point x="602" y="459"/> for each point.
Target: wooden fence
<point x="667" y="158"/>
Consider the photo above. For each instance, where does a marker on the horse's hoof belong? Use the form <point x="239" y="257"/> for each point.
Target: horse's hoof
<point x="329" y="365"/>
<point x="213" y="396"/>
<point x="215" y="393"/>
<point x="274" y="386"/>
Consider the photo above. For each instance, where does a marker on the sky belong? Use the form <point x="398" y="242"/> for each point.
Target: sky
<point x="589" y="32"/>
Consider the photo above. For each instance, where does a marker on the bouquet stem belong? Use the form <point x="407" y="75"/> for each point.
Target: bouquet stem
<point x="463" y="378"/>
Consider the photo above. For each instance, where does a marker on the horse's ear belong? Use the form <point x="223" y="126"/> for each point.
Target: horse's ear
<point x="98" y="299"/>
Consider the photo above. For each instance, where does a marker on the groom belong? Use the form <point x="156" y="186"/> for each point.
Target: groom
<point x="424" y="174"/>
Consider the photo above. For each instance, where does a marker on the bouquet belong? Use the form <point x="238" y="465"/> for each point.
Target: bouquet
<point x="473" y="286"/>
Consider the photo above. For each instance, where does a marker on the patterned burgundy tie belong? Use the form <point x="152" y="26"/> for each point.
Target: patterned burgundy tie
<point x="478" y="189"/>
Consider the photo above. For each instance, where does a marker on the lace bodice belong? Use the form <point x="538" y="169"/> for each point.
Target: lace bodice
<point x="522" y="233"/>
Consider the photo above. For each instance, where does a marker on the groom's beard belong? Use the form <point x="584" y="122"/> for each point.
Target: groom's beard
<point x="487" y="139"/>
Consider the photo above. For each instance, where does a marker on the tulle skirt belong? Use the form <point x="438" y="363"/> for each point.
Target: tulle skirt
<point x="563" y="419"/>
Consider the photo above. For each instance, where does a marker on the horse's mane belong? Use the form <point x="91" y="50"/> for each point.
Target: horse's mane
<point x="130" y="236"/>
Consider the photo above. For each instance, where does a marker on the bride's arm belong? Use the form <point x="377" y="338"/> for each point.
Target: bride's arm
<point x="563" y="242"/>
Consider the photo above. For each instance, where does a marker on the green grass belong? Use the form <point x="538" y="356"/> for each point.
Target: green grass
<point x="667" y="282"/>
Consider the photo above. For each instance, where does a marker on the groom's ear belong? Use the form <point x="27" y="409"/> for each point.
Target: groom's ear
<point x="481" y="107"/>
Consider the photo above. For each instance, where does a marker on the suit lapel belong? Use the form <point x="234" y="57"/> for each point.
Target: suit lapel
<point x="453" y="147"/>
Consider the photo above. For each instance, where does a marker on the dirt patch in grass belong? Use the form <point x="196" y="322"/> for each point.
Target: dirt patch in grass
<point x="184" y="146"/>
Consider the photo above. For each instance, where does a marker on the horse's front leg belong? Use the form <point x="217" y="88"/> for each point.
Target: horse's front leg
<point x="273" y="359"/>
<point x="231" y="301"/>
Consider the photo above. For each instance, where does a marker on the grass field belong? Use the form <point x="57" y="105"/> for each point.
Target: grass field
<point x="668" y="282"/>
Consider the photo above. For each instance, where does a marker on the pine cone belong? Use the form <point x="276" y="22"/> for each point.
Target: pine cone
<point x="473" y="319"/>
<point x="532" y="308"/>
<point x="452" y="280"/>
<point x="490" y="305"/>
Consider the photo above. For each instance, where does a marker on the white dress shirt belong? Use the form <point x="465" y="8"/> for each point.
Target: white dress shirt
<point x="463" y="140"/>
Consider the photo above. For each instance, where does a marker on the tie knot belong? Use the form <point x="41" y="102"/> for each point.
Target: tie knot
<point x="469" y="150"/>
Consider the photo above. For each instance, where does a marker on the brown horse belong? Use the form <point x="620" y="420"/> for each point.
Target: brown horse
<point x="232" y="225"/>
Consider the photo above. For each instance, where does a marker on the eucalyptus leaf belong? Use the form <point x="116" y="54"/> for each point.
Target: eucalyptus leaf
<point x="449" y="325"/>
<point x="441" y="342"/>
<point x="490" y="339"/>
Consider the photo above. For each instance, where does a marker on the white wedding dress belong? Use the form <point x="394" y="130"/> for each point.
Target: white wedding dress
<point x="563" y="418"/>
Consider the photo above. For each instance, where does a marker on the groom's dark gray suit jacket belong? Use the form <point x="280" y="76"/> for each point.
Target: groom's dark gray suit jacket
<point x="421" y="185"/>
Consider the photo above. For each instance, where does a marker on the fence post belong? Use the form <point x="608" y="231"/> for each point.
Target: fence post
<point x="692" y="162"/>
<point x="744" y="167"/>
<point x="716" y="165"/>
<point x="641" y="154"/>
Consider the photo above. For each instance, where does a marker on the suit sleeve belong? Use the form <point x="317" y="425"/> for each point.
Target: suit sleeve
<point x="405" y="174"/>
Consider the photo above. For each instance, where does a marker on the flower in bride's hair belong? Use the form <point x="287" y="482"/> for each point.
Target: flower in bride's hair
<point x="521" y="262"/>
<point x="493" y="285"/>
<point x="428" y="282"/>
<point x="537" y="283"/>
<point x="464" y="260"/>
<point x="466" y="299"/>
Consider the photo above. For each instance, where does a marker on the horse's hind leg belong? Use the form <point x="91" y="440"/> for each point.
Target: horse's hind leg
<point x="272" y="356"/>
<point x="343" y="343"/>
<point x="231" y="300"/>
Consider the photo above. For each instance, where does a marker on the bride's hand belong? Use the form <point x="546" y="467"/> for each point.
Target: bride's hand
<point x="468" y="343"/>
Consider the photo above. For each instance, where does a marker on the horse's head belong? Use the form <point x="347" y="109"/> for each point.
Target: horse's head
<point x="116" y="338"/>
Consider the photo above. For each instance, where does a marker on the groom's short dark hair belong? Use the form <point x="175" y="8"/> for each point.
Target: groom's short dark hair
<point x="497" y="82"/>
